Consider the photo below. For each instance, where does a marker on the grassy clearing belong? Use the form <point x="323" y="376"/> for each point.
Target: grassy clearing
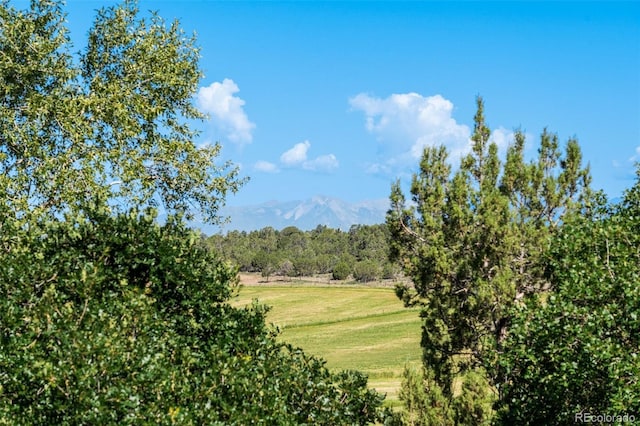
<point x="352" y="327"/>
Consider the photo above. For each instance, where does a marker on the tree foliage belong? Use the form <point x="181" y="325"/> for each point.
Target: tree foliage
<point x="472" y="241"/>
<point x="578" y="351"/>
<point x="107" y="317"/>
<point x="366" y="270"/>
<point x="341" y="271"/>
<point x="363" y="249"/>
<point x="117" y="320"/>
<point x="110" y="123"/>
<point x="424" y="403"/>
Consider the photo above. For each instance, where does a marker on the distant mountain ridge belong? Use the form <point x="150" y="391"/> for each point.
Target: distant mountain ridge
<point x="306" y="214"/>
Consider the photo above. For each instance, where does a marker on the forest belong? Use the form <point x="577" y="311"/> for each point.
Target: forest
<point x="525" y="277"/>
<point x="360" y="253"/>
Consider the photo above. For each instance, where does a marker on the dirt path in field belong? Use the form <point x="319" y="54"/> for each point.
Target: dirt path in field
<point x="255" y="279"/>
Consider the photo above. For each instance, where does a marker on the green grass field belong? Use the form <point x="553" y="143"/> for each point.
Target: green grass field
<point x="352" y="327"/>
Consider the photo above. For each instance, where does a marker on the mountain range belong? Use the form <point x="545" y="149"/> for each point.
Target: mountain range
<point x="305" y="214"/>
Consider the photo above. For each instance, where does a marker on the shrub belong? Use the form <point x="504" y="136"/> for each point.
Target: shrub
<point x="390" y="271"/>
<point x="305" y="264"/>
<point x="366" y="270"/>
<point x="341" y="271"/>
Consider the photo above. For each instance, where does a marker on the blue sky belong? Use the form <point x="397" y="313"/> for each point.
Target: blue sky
<point x="338" y="98"/>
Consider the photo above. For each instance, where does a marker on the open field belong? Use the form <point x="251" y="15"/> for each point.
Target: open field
<point x="352" y="327"/>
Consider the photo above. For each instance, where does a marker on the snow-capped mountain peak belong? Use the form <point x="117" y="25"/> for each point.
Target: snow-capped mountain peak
<point x="306" y="214"/>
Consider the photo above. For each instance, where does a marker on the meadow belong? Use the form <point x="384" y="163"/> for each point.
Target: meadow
<point x="351" y="326"/>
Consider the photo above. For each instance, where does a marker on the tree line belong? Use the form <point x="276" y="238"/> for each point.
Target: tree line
<point x="361" y="253"/>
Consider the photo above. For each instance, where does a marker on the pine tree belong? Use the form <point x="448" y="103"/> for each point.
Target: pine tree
<point x="472" y="241"/>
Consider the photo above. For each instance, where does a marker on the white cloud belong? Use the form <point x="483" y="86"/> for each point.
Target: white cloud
<point x="503" y="138"/>
<point x="265" y="166"/>
<point x="411" y="121"/>
<point x="635" y="157"/>
<point x="406" y="123"/>
<point x="378" y="169"/>
<point x="324" y="163"/>
<point x="296" y="155"/>
<point x="226" y="110"/>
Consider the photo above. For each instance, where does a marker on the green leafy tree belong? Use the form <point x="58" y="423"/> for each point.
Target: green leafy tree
<point x="292" y="240"/>
<point x="266" y="263"/>
<point x="424" y="403"/>
<point x="341" y="271"/>
<point x="328" y="241"/>
<point x="108" y="317"/>
<point x="369" y="242"/>
<point x="390" y="271"/>
<point x="117" y="320"/>
<point x="577" y="352"/>
<point x="325" y="263"/>
<point x="111" y="123"/>
<point x="472" y="242"/>
<point x="285" y="268"/>
<point x="236" y="247"/>
<point x="365" y="271"/>
<point x="304" y="265"/>
<point x="262" y="244"/>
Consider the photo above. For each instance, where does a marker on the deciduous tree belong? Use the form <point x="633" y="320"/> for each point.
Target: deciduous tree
<point x="114" y="319"/>
<point x="106" y="316"/>
<point x="111" y="123"/>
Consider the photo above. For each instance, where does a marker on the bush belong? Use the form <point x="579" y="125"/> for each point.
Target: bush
<point x="341" y="271"/>
<point x="390" y="271"/>
<point x="117" y="320"/>
<point x="366" y="270"/>
<point x="286" y="268"/>
<point x="305" y="264"/>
